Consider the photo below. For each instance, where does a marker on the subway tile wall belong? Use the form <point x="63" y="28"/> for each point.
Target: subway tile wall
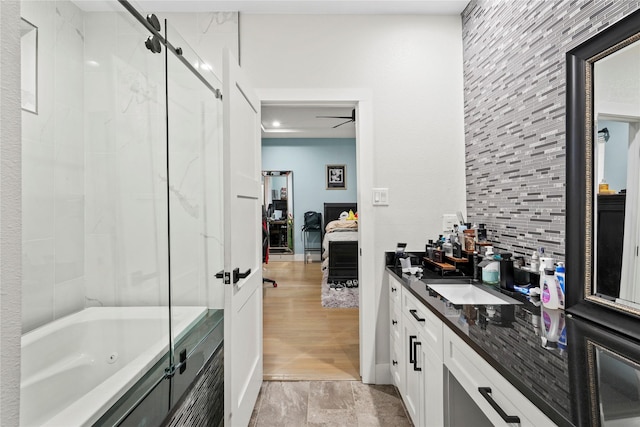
<point x="514" y="74"/>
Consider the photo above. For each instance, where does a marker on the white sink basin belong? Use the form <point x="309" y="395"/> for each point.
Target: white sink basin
<point x="471" y="294"/>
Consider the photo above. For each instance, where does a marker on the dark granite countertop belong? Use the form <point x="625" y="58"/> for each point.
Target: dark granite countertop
<point x="546" y="355"/>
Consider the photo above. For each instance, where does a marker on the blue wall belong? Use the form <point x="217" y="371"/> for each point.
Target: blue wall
<point x="307" y="158"/>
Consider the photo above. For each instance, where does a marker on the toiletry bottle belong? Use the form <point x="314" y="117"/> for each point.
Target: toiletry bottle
<point x="553" y="326"/>
<point x="482" y="233"/>
<point x="448" y="247"/>
<point x="548" y="289"/>
<point x="559" y="276"/>
<point x="534" y="262"/>
<point x="457" y="248"/>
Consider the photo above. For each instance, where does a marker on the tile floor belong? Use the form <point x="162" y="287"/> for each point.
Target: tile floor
<point x="328" y="403"/>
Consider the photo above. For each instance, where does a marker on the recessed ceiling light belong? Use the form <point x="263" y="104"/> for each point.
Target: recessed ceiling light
<point x="275" y="124"/>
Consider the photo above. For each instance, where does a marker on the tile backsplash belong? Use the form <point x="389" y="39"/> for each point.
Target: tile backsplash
<point x="514" y="74"/>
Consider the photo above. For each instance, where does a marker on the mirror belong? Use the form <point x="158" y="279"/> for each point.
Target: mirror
<point x="29" y="66"/>
<point x="604" y="375"/>
<point x="616" y="170"/>
<point x="603" y="174"/>
<point x="277" y="199"/>
<point x="617" y="381"/>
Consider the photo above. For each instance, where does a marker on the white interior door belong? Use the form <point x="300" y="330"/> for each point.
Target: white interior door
<point x="243" y="245"/>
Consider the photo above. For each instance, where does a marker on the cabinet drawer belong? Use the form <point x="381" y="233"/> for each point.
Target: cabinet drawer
<point x="427" y="323"/>
<point x="395" y="327"/>
<point x="472" y="372"/>
<point x="395" y="289"/>
<point x="397" y="366"/>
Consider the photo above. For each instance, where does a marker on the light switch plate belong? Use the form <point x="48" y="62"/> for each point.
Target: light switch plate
<point x="380" y="197"/>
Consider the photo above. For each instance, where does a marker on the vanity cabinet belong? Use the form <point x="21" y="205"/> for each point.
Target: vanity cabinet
<point x="475" y="389"/>
<point x="443" y="381"/>
<point x="395" y="342"/>
<point x="422" y="350"/>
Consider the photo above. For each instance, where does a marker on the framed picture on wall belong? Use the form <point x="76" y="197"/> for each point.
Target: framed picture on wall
<point x="336" y="177"/>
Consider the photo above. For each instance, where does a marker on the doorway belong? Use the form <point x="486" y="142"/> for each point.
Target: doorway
<point x="361" y="99"/>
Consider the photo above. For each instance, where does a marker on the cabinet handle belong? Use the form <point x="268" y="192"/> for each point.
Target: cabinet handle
<point x="393" y="289"/>
<point x="415" y="355"/>
<point x="395" y="362"/>
<point x="394" y="322"/>
<point x="486" y="393"/>
<point x="411" y="348"/>
<point x="414" y="313"/>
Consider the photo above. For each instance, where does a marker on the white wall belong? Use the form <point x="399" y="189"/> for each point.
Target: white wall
<point x="10" y="214"/>
<point x="413" y="67"/>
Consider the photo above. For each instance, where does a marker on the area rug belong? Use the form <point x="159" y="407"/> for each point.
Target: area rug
<point x="338" y="295"/>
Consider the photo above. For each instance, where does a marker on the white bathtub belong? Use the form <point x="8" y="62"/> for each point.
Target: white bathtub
<point x="75" y="368"/>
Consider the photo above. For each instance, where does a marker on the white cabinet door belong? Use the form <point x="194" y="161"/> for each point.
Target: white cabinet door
<point x="414" y="380"/>
<point x="432" y="368"/>
<point x="476" y="376"/>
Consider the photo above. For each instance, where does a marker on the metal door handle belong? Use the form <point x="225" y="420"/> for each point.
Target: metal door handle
<point x="415" y="355"/>
<point x="486" y="393"/>
<point x="237" y="275"/>
<point x="414" y="313"/>
<point x="411" y="348"/>
<point x="220" y="274"/>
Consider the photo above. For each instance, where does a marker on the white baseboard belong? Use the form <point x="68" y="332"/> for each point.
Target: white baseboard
<point x="383" y="374"/>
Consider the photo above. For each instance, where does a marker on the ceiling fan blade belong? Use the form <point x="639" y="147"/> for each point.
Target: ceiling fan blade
<point x="344" y="123"/>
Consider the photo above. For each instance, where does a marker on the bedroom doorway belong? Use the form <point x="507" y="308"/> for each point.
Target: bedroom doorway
<point x="329" y="342"/>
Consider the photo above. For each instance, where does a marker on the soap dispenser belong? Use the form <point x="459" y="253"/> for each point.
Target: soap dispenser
<point x="506" y="272"/>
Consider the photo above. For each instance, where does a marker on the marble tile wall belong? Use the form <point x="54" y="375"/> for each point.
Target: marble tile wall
<point x="125" y="138"/>
<point x="53" y="168"/>
<point x="514" y="73"/>
<point x="208" y="34"/>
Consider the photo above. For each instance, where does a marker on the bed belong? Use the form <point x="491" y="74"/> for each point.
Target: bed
<point x="340" y="243"/>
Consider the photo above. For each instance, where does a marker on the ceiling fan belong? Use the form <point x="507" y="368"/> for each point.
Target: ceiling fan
<point x="351" y="118"/>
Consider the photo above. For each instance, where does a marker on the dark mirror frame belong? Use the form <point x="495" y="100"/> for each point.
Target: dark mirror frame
<point x="585" y="338"/>
<point x="579" y="220"/>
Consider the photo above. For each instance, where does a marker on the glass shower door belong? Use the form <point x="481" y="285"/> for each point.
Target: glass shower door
<point x="196" y="250"/>
<point x="95" y="249"/>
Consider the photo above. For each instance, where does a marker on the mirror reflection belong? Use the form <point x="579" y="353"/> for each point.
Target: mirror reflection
<point x="618" y="388"/>
<point x="278" y="203"/>
<point x="616" y="174"/>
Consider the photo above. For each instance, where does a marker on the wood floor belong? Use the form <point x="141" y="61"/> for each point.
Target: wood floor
<point x="302" y="339"/>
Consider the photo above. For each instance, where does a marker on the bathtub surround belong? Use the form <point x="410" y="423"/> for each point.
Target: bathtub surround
<point x="74" y="369"/>
<point x="514" y="56"/>
<point x="53" y="168"/>
<point x="204" y="403"/>
<point x="122" y="199"/>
